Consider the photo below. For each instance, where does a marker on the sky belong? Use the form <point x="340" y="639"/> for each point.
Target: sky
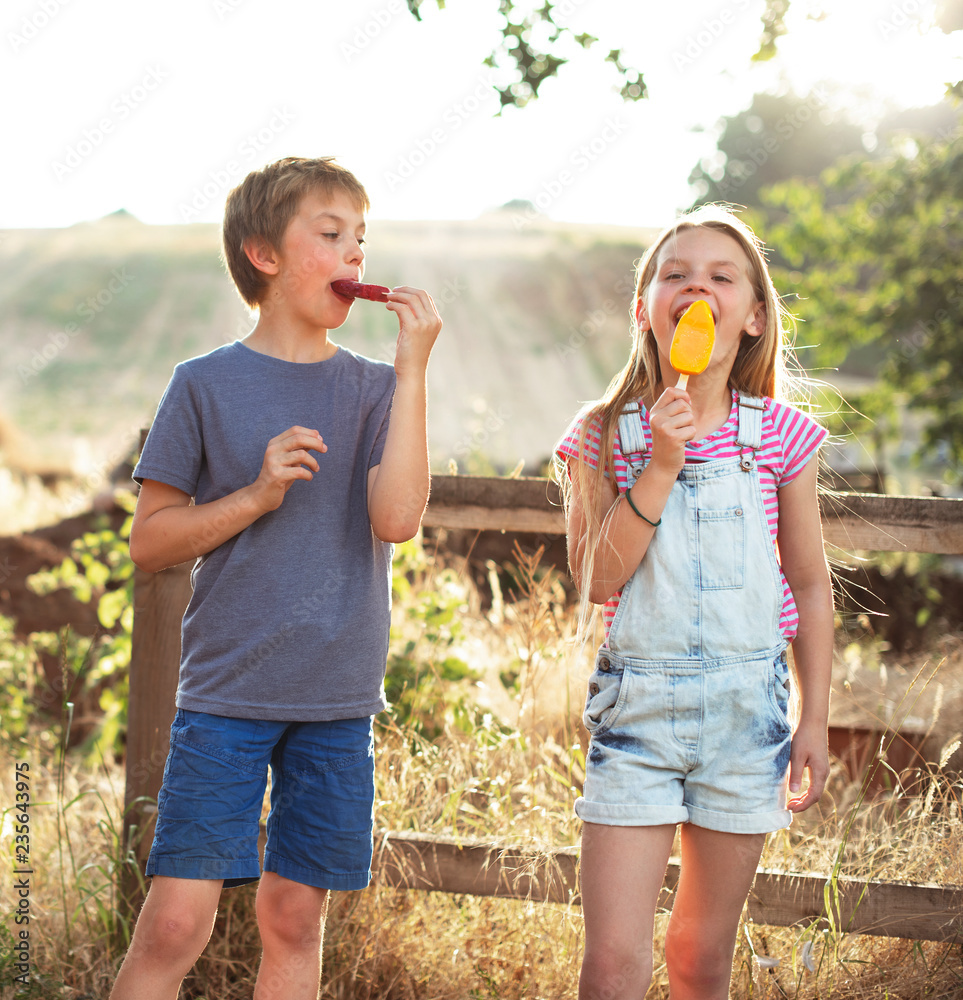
<point x="161" y="109"/>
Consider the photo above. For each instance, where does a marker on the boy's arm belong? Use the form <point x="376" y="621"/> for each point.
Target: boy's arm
<point x="398" y="487"/>
<point x="804" y="563"/>
<point x="167" y="529"/>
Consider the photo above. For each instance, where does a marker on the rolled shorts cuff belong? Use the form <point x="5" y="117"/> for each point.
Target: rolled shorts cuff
<point x="763" y="822"/>
<point x="316" y="877"/>
<point x="231" y="872"/>
<point x="607" y="814"/>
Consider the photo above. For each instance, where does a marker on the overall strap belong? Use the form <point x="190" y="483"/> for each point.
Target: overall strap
<point x="631" y="434"/>
<point x="749" y="439"/>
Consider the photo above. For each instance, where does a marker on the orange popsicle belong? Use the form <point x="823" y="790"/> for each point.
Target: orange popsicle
<point x="695" y="333"/>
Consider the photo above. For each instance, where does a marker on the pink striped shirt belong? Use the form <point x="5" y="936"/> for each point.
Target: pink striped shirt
<point x="790" y="439"/>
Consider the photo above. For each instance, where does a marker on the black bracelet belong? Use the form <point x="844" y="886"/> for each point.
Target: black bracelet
<point x="628" y="496"/>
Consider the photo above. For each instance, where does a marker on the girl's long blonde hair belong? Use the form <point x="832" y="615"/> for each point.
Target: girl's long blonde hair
<point x="761" y="368"/>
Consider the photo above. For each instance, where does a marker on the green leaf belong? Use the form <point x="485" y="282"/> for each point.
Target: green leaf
<point x="111" y="607"/>
<point x="97" y="574"/>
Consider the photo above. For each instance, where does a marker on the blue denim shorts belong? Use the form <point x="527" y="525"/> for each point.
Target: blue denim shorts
<point x="688" y="741"/>
<point x="319" y="830"/>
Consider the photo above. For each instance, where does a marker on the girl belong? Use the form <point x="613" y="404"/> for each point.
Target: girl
<point x="692" y="517"/>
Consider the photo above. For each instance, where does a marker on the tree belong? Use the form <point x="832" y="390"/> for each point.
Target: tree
<point x="537" y="47"/>
<point x="780" y="137"/>
<point x="776" y="138"/>
<point x="947" y="16"/>
<point x="876" y="248"/>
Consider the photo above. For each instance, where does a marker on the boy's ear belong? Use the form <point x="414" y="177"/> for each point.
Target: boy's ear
<point x="756" y="321"/>
<point x="261" y="254"/>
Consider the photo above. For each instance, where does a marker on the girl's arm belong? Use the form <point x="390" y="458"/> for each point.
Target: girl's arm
<point x="624" y="537"/>
<point x="804" y="563"/>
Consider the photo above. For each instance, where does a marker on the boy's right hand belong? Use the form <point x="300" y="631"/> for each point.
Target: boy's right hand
<point x="418" y="327"/>
<point x="284" y="461"/>
<point x="672" y="426"/>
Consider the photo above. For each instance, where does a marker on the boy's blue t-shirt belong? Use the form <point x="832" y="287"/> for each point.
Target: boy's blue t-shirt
<point x="289" y="619"/>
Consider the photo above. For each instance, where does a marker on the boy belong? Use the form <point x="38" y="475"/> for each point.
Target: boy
<point x="286" y="466"/>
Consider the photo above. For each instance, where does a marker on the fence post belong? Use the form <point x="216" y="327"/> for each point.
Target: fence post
<point x="159" y="603"/>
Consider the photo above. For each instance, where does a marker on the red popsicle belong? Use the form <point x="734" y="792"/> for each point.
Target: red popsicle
<point x="359" y="290"/>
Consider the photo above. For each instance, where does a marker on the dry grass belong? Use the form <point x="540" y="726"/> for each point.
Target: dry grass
<point x="514" y="779"/>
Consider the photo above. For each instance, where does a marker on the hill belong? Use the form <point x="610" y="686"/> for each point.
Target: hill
<point x="94" y="317"/>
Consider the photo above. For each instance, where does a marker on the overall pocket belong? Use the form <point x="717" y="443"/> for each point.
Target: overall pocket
<point x="604" y="699"/>
<point x="778" y="689"/>
<point x="722" y="548"/>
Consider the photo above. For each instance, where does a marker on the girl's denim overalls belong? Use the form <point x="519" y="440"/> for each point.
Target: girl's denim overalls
<point x="687" y="705"/>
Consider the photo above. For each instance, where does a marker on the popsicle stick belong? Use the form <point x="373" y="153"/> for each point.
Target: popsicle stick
<point x="683" y="381"/>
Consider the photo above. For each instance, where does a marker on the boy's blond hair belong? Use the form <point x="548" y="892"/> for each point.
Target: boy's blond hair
<point x="263" y="204"/>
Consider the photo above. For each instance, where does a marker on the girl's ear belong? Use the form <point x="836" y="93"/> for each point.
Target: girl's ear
<point x="261" y="254"/>
<point x="756" y="321"/>
<point x="642" y="321"/>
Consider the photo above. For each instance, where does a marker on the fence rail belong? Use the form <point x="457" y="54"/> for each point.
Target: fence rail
<point x="922" y="912"/>
<point x="865" y="521"/>
<point x="853" y="521"/>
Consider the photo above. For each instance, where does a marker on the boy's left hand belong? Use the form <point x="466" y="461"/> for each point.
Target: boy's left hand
<point x="418" y="327"/>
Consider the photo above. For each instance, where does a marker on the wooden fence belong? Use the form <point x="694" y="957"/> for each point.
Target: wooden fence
<point x="421" y="861"/>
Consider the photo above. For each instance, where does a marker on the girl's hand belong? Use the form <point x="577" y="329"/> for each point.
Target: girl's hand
<point x="672" y="426"/>
<point x="418" y="327"/>
<point x="809" y="753"/>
